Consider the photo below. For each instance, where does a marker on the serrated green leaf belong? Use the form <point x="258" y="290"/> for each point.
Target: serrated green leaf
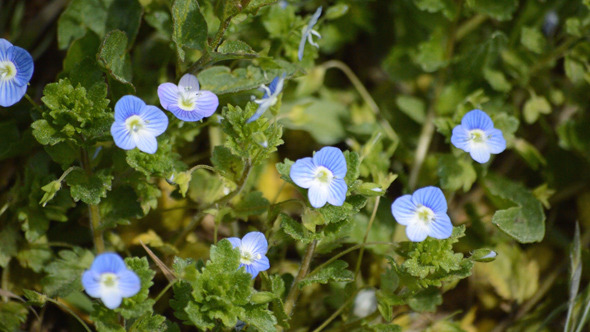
<point x="431" y="53"/>
<point x="150" y="323"/>
<point x="259" y="317"/>
<point x="236" y="47"/>
<point x="295" y="229"/>
<point x="228" y="164"/>
<point x="44" y="133"/>
<point x="335" y="271"/>
<point x="190" y="28"/>
<point x="353" y="163"/>
<point x="12" y="315"/>
<point x="334" y="214"/>
<point x="253" y="203"/>
<point x="113" y="57"/>
<point x="500" y="10"/>
<point x="532" y="39"/>
<point x="139" y="304"/>
<point x="455" y="173"/>
<point x="448" y="7"/>
<point x="221" y="79"/>
<point x="90" y="189"/>
<point x="426" y="300"/>
<point x="64" y="273"/>
<point x="163" y="163"/>
<point x="121" y="205"/>
<point x="525" y="222"/>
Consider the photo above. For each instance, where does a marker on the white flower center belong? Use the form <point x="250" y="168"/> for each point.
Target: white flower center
<point x="134" y="124"/>
<point x="109" y="280"/>
<point x="7" y="70"/>
<point x="477" y="136"/>
<point x="425" y="214"/>
<point x="187" y="99"/>
<point x="248" y="258"/>
<point x="323" y="175"/>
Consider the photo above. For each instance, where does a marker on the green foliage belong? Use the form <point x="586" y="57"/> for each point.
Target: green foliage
<point x="455" y="173"/>
<point x="163" y="163"/>
<point x="113" y="57"/>
<point x="64" y="274"/>
<point x="190" y="27"/>
<point x="89" y="188"/>
<point x="12" y="315"/>
<point x="500" y="10"/>
<point x="139" y="304"/>
<point x="335" y="271"/>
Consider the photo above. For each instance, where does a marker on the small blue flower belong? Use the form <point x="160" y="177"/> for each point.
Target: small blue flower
<point x="308" y="32"/>
<point x="323" y="175"/>
<point x="186" y="101"/>
<point x="16" y="70"/>
<point x="137" y="124"/>
<point x="109" y="279"/>
<point x="476" y="134"/>
<point x="270" y="97"/>
<point x="424" y="213"/>
<point x="253" y="248"/>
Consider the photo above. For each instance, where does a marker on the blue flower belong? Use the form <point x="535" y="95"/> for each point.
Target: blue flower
<point x="476" y="134"/>
<point x="109" y="279"/>
<point x="270" y="97"/>
<point x="323" y="175"/>
<point x="137" y="124"/>
<point x="253" y="248"/>
<point x="308" y="32"/>
<point x="186" y="101"/>
<point x="16" y="70"/>
<point x="424" y="213"/>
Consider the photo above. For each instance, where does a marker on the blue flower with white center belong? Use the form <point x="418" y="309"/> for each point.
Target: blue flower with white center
<point x="16" y="70"/>
<point x="424" y="213"/>
<point x="323" y="175"/>
<point x="109" y="279"/>
<point x="476" y="134"/>
<point x="137" y="124"/>
<point x="253" y="248"/>
<point x="270" y="97"/>
<point x="186" y="101"/>
<point x="308" y="32"/>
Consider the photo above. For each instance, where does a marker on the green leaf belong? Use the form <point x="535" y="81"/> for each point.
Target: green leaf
<point x="190" y="28"/>
<point x="89" y="188"/>
<point x="529" y="153"/>
<point x="573" y="26"/>
<point x="121" y="205"/>
<point x="163" y="163"/>
<point x="426" y="300"/>
<point x="497" y="80"/>
<point x="50" y="190"/>
<point x="500" y="10"/>
<point x="353" y="163"/>
<point x="80" y="64"/>
<point x="334" y="214"/>
<point x="64" y="273"/>
<point x="295" y="229"/>
<point x="431" y="53"/>
<point x="455" y="173"/>
<point x="139" y="304"/>
<point x="113" y="57"/>
<point x="525" y="222"/>
<point x="237" y="47"/>
<point x="9" y="235"/>
<point x="45" y="133"/>
<point x="335" y="271"/>
<point x="99" y="16"/>
<point x="12" y="315"/>
<point x="534" y="107"/>
<point x="35" y="298"/>
<point x="228" y="164"/>
<point x="532" y="39"/>
<point x="253" y="203"/>
<point x="336" y="11"/>
<point x="151" y="323"/>
<point x="259" y="317"/>
<point x="412" y="107"/>
<point x="221" y="79"/>
<point x="448" y="7"/>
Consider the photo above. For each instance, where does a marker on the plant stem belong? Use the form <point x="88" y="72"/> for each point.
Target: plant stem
<point x="93" y="213"/>
<point x="337" y="312"/>
<point x="360" y="259"/>
<point x="213" y="45"/>
<point x="164" y="290"/>
<point x="294" y="292"/>
<point x="31" y="100"/>
<point x="70" y="312"/>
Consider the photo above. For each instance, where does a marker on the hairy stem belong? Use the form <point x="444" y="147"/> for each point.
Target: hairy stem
<point x="360" y="259"/>
<point x="93" y="213"/>
<point x="294" y="292"/>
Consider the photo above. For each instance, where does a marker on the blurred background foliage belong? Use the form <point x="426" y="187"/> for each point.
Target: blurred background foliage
<point x="389" y="81"/>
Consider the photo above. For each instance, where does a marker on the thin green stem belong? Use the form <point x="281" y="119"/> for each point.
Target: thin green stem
<point x="207" y="167"/>
<point x="369" y="226"/>
<point x="93" y="212"/>
<point x="337" y="312"/>
<point x="4" y="208"/>
<point x="31" y="100"/>
<point x="164" y="290"/>
<point x="70" y="312"/>
<point x="294" y="292"/>
<point x="213" y="45"/>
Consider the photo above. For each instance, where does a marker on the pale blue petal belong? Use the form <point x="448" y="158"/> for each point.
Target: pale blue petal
<point x="10" y="93"/>
<point x="146" y="142"/>
<point x="188" y="82"/>
<point x="257" y="266"/>
<point x="333" y="159"/>
<point x="129" y="283"/>
<point x="303" y="172"/>
<point x="4" y="45"/>
<point x="156" y="121"/>
<point x="302" y="45"/>
<point x="121" y="136"/>
<point x="23" y="62"/>
<point x="431" y="197"/>
<point x="255" y="243"/>
<point x="261" y="109"/>
<point x="127" y="106"/>
<point x="314" y="18"/>
<point x="496" y="142"/>
<point x="441" y="227"/>
<point x="404" y="210"/>
<point x="111" y="298"/>
<point x="91" y="283"/>
<point x="206" y="104"/>
<point x="417" y="231"/>
<point x="235" y="242"/>
<point x="318" y="195"/>
<point x="338" y="190"/>
<point x="460" y="138"/>
<point x="480" y="153"/>
<point x="168" y="94"/>
<point x="477" y="119"/>
<point x="276" y="86"/>
<point x="108" y="262"/>
<point x="307" y="31"/>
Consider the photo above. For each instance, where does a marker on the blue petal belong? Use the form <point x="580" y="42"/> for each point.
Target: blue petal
<point x="168" y="94"/>
<point x="303" y="172"/>
<point x="496" y="142"/>
<point x="127" y="106"/>
<point x="338" y="190"/>
<point x="403" y="210"/>
<point x="261" y="109"/>
<point x="23" y="62"/>
<point x="121" y="136"/>
<point x="431" y="197"/>
<point x="302" y="45"/>
<point x="460" y="138"/>
<point x="480" y="153"/>
<point x="307" y="31"/>
<point x="10" y="93"/>
<point x="129" y="283"/>
<point x="4" y="45"/>
<point x="276" y="86"/>
<point x="257" y="266"/>
<point x="441" y="227"/>
<point x="91" y="283"/>
<point x="314" y="18"/>
<point x="156" y="121"/>
<point x="255" y="243"/>
<point x="188" y="82"/>
<point x="333" y="159"/>
<point x="108" y="263"/>
<point x="111" y="298"/>
<point x="145" y="141"/>
<point x="206" y="104"/>
<point x="235" y="242"/>
<point x="417" y="231"/>
<point x="477" y="119"/>
<point x="318" y="195"/>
